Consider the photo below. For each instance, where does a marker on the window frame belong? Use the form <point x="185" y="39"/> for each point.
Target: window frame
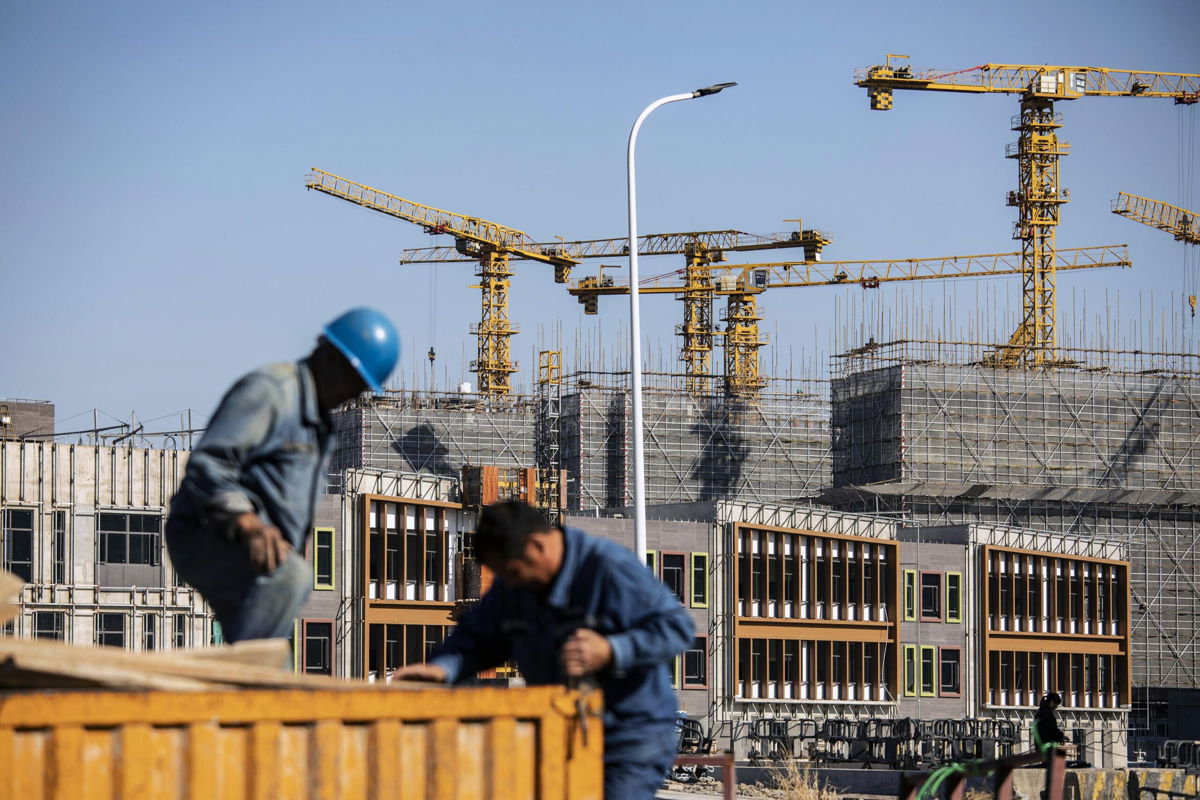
<point x="59" y="546"/>
<point x="6" y="530"/>
<point x="60" y="618"/>
<point x="683" y="679"/>
<point x="953" y="613"/>
<point x="692" y="594"/>
<point x="684" y="590"/>
<point x="940" y="662"/>
<point x="941" y="605"/>
<point x="304" y="623"/>
<point x="933" y="670"/>
<point x="316" y="555"/>
<point x="652" y="561"/>
<point x="179" y="631"/>
<point x="156" y="549"/>
<point x="908" y="599"/>
<point x="911" y="677"/>
<point x="124" y="628"/>
<point x="151" y="618"/>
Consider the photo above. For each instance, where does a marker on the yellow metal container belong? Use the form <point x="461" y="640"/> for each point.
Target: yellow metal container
<point x="500" y="744"/>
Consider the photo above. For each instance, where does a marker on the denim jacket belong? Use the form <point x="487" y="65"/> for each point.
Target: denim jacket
<point x="601" y="586"/>
<point x="265" y="451"/>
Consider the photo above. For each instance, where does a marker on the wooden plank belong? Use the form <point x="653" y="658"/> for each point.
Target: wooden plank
<point x="273" y="653"/>
<point x="111" y="666"/>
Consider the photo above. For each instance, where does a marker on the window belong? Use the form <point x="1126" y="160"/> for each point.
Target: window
<point x="58" y="548"/>
<point x="180" y="630"/>
<point x="318" y="647"/>
<point x="910" y="670"/>
<point x="110" y="629"/>
<point x="910" y="594"/>
<point x="218" y="634"/>
<point x="391" y="646"/>
<point x="928" y="671"/>
<point x="129" y="538"/>
<point x="953" y="597"/>
<point x="18" y="543"/>
<point x="323" y="558"/>
<point x="674" y="574"/>
<point x="150" y="632"/>
<point x="49" y="625"/>
<point x="699" y="580"/>
<point x="652" y="561"/>
<point x="931" y="597"/>
<point x="407" y="557"/>
<point x="674" y="666"/>
<point x="695" y="664"/>
<point x="950" y="682"/>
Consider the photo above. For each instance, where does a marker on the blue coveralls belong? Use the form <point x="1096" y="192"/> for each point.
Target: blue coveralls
<point x="601" y="586"/>
<point x="265" y="451"/>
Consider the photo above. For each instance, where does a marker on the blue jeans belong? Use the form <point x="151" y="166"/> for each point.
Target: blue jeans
<point x="247" y="603"/>
<point x="636" y="771"/>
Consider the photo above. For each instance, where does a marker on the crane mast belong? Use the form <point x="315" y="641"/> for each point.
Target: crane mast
<point x="489" y="243"/>
<point x="1039" y="196"/>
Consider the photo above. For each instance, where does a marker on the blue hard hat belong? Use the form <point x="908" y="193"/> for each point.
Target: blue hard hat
<point x="369" y="342"/>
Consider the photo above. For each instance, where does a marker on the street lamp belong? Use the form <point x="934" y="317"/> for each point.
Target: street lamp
<point x="635" y="339"/>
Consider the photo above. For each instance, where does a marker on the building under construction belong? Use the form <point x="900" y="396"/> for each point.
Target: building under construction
<point x="1104" y="445"/>
<point x="697" y="447"/>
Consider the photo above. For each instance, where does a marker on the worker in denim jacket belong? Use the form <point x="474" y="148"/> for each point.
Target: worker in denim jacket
<point x="240" y="520"/>
<point x="568" y="607"/>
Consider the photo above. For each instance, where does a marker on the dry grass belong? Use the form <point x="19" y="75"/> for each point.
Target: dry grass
<point x="977" y="794"/>
<point x="801" y="783"/>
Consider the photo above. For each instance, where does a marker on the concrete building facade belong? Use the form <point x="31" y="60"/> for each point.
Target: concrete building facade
<point x="82" y="525"/>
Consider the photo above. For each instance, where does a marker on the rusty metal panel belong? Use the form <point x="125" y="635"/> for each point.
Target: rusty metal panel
<point x="426" y="744"/>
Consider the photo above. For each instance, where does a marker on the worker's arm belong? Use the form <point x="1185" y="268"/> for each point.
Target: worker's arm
<point x="241" y="424"/>
<point x="655" y="627"/>
<point x="479" y="641"/>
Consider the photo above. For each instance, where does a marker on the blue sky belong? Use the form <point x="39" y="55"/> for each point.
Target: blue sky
<point x="156" y="239"/>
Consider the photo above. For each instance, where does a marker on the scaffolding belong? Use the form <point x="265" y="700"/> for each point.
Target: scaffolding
<point x="1106" y="444"/>
<point x="698" y="448"/>
<point x="930" y="412"/>
<point x="436" y="433"/>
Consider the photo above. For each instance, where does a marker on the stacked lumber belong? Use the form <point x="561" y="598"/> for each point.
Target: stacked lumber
<point x="44" y="664"/>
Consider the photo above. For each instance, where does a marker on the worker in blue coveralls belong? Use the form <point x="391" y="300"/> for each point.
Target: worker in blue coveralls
<point x="567" y="606"/>
<point x="241" y="517"/>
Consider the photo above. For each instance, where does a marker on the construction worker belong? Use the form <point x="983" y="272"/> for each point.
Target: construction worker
<point x="1045" y="727"/>
<point x="239" y="522"/>
<point x="568" y="607"/>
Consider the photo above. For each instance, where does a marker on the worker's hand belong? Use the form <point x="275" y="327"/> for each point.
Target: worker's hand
<point x="585" y="652"/>
<point x="420" y="672"/>
<point x="266" y="544"/>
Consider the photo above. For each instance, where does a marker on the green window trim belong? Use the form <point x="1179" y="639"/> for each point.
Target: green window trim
<point x="931" y="651"/>
<point x="910" y="670"/>
<point x="954" y="601"/>
<point x="652" y="561"/>
<point x="910" y="595"/>
<point x="296" y="645"/>
<point x="700" y="588"/>
<point x="317" y="547"/>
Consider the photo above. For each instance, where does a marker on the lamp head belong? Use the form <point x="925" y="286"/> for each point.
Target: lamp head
<point x="716" y="87"/>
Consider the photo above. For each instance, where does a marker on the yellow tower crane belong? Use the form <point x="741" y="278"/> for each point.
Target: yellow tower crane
<point x="740" y="283"/>
<point x="1184" y="225"/>
<point x="487" y="242"/>
<point x="701" y="250"/>
<point x="1039" y="196"/>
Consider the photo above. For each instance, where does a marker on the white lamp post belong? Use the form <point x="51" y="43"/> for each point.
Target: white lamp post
<point x="635" y="340"/>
